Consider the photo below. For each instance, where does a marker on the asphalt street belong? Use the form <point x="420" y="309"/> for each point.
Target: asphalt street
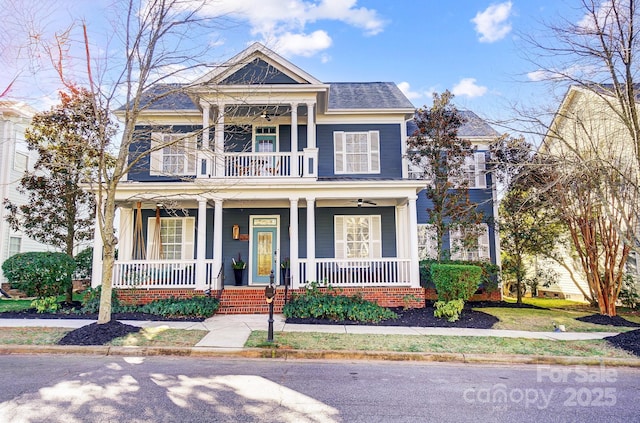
<point x="76" y="388"/>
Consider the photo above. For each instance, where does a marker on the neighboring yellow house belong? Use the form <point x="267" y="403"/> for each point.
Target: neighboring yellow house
<point x="588" y="130"/>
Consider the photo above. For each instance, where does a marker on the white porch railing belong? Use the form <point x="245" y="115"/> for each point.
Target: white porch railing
<point x="256" y="165"/>
<point x="361" y="272"/>
<point x="161" y="274"/>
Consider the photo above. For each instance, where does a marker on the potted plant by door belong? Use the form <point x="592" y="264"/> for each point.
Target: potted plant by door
<point x="238" y="269"/>
<point x="285" y="271"/>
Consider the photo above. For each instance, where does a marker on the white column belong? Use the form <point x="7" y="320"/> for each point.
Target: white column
<point x="96" y="271"/>
<point x="413" y="244"/>
<point x="401" y="229"/>
<point x="125" y="233"/>
<point x="217" y="238"/>
<point x="202" y="279"/>
<point x="294" y="139"/>
<point x="206" y="113"/>
<point x="311" y="240"/>
<point x="311" y="126"/>
<point x="293" y="240"/>
<point x="219" y="142"/>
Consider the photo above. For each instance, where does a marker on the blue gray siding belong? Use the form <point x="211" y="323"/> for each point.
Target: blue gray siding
<point x="390" y="149"/>
<point x="258" y="72"/>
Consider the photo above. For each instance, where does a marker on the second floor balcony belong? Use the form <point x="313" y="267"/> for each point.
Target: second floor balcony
<point x="258" y="165"/>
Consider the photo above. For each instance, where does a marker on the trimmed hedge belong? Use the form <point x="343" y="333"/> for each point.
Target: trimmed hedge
<point x="455" y="281"/>
<point x="489" y="279"/>
<point x="40" y="274"/>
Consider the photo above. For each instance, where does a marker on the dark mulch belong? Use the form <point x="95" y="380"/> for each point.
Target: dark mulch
<point x="95" y="334"/>
<point x="629" y="341"/>
<point x="600" y="319"/>
<point x="419" y="317"/>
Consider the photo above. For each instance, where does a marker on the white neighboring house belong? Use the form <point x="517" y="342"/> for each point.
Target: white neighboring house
<point x="15" y="158"/>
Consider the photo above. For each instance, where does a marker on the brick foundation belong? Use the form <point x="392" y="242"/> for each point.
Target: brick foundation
<point x="251" y="300"/>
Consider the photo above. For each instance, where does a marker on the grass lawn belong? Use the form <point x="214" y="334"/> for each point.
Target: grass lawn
<point x="435" y="344"/>
<point x="550" y="303"/>
<point x="11" y="304"/>
<point x="542" y="320"/>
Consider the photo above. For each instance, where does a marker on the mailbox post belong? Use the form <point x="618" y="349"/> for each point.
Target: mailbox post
<point x="270" y="294"/>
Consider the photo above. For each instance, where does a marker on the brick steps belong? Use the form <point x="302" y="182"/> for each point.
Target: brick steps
<point x="248" y="300"/>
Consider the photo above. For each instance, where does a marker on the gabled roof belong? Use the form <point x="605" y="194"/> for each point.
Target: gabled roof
<point x="473" y="127"/>
<point x="366" y="95"/>
<point x="257" y="51"/>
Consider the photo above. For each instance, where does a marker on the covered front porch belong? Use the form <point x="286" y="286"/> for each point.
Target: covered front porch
<point x="331" y="236"/>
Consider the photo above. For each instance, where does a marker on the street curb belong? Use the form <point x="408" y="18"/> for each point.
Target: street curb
<point x="290" y="354"/>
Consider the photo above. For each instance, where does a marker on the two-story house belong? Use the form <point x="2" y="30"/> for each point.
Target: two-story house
<point x="15" y="159"/>
<point x="270" y="166"/>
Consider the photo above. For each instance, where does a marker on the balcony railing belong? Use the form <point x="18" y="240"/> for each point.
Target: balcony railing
<point x="258" y="165"/>
<point x="361" y="272"/>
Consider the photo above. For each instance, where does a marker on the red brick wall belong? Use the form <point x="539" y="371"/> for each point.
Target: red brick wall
<point x="247" y="300"/>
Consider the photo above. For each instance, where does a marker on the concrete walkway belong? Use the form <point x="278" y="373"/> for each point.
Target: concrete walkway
<point x="230" y="331"/>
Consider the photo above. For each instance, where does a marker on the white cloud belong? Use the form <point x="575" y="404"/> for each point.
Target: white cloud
<point x="406" y="90"/>
<point x="287" y="20"/>
<point x="289" y="44"/>
<point x="492" y="23"/>
<point x="467" y="87"/>
<point x="602" y="15"/>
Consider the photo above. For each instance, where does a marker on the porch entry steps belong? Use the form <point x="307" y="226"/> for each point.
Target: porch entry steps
<point x="249" y="300"/>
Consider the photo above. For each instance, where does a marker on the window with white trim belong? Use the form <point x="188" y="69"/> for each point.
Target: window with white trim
<point x="476" y="170"/>
<point x="475" y="250"/>
<point x="356" y="152"/>
<point x="15" y="245"/>
<point x="176" y="157"/>
<point x="20" y="161"/>
<point x="175" y="240"/>
<point x="358" y="237"/>
<point x="427" y="242"/>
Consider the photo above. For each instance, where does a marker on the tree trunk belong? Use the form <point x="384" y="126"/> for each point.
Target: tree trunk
<point x="110" y="241"/>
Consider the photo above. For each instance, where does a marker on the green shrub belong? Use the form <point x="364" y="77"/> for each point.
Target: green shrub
<point x="182" y="307"/>
<point x="325" y="304"/>
<point x="84" y="264"/>
<point x="91" y="301"/>
<point x="490" y="272"/>
<point x="448" y="309"/>
<point x="455" y="281"/>
<point x="45" y="305"/>
<point x="629" y="295"/>
<point x="40" y="274"/>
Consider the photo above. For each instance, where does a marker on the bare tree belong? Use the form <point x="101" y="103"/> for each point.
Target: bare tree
<point x="593" y="136"/>
<point x="160" y="41"/>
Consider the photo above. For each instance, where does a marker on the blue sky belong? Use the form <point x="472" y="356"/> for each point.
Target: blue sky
<point x="471" y="47"/>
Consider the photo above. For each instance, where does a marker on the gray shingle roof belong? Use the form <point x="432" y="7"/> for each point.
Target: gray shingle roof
<point x="175" y="98"/>
<point x="367" y="95"/>
<point x="474" y="126"/>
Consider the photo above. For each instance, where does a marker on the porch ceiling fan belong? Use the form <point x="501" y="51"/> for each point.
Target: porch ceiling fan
<point x="360" y="202"/>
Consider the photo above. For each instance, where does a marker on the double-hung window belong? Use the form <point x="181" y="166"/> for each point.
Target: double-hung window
<point x="175" y="240"/>
<point x="174" y="154"/>
<point x="475" y="250"/>
<point x="476" y="170"/>
<point x="358" y="237"/>
<point x="15" y="245"/>
<point x="356" y="152"/>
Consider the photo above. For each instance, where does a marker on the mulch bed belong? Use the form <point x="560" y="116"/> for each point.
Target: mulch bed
<point x="600" y="319"/>
<point x="629" y="341"/>
<point x="419" y="317"/>
<point x="95" y="334"/>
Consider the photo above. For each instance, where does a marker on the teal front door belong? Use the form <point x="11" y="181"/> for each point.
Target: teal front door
<point x="264" y="248"/>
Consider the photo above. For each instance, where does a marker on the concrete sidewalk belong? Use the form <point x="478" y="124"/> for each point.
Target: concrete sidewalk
<point x="230" y="331"/>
